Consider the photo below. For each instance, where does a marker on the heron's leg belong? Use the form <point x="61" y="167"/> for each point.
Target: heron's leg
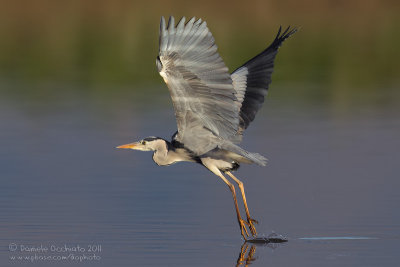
<point x="243" y="251"/>
<point x="242" y="223"/>
<point x="210" y="165"/>
<point x="249" y="219"/>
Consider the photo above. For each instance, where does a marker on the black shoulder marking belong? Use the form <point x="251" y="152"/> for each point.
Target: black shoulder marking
<point x="177" y="144"/>
<point x="197" y="159"/>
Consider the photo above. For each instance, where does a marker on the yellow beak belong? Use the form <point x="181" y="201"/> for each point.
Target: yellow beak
<point x="129" y="146"/>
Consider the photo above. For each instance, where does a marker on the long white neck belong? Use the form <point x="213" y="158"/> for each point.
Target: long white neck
<point x="163" y="156"/>
<point x="160" y="155"/>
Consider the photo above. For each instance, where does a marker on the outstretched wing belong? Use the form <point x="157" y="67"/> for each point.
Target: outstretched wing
<point x="251" y="81"/>
<point x="205" y="103"/>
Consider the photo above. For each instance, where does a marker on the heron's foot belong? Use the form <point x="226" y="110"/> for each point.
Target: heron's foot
<point x="243" y="229"/>
<point x="250" y="223"/>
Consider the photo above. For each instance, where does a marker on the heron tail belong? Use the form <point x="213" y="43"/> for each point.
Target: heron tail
<point x="257" y="158"/>
<point x="253" y="157"/>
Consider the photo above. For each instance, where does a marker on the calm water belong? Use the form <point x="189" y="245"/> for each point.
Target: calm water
<point x="331" y="185"/>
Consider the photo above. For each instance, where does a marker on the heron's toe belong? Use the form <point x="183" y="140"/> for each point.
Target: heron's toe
<point x="252" y="228"/>
<point x="243" y="229"/>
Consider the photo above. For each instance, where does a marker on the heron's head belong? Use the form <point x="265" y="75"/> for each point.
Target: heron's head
<point x="147" y="144"/>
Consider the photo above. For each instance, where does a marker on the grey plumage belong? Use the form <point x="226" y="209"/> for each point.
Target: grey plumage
<point x="200" y="85"/>
<point x="212" y="107"/>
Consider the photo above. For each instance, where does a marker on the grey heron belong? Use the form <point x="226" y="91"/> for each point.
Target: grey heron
<point x="212" y="107"/>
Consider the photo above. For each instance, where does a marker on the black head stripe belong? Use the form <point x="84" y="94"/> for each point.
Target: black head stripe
<point x="151" y="138"/>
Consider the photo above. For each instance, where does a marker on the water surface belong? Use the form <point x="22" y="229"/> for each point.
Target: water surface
<point x="331" y="185"/>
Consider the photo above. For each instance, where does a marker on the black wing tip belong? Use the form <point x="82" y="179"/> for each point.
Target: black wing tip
<point x="280" y="37"/>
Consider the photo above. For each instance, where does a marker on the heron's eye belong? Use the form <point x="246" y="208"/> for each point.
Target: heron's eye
<point x="143" y="142"/>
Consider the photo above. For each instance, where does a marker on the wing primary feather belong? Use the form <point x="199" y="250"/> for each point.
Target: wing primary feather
<point x="254" y="82"/>
<point x="201" y="88"/>
<point x="279" y="32"/>
<point x="195" y="33"/>
<point x="212" y="108"/>
<point x="163" y="37"/>
<point x="162" y="25"/>
<point x="181" y="25"/>
<point x="171" y="32"/>
<point x="171" y="22"/>
<point x="187" y="30"/>
<point x="195" y="41"/>
<point x="179" y="31"/>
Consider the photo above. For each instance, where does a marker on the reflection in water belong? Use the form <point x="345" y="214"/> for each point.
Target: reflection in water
<point x="246" y="255"/>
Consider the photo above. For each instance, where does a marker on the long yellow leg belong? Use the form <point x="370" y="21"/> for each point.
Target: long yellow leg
<point x="242" y="223"/>
<point x="250" y="221"/>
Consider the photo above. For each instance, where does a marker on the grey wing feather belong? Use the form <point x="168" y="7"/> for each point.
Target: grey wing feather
<point x="254" y="157"/>
<point x="251" y="81"/>
<point x="205" y="103"/>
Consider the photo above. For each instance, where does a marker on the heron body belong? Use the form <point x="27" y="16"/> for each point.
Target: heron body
<point x="212" y="107"/>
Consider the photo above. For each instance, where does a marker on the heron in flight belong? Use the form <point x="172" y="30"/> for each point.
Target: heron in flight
<point x="212" y="107"/>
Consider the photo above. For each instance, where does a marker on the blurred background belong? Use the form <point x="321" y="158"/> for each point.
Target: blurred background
<point x="78" y="78"/>
<point x="340" y="43"/>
